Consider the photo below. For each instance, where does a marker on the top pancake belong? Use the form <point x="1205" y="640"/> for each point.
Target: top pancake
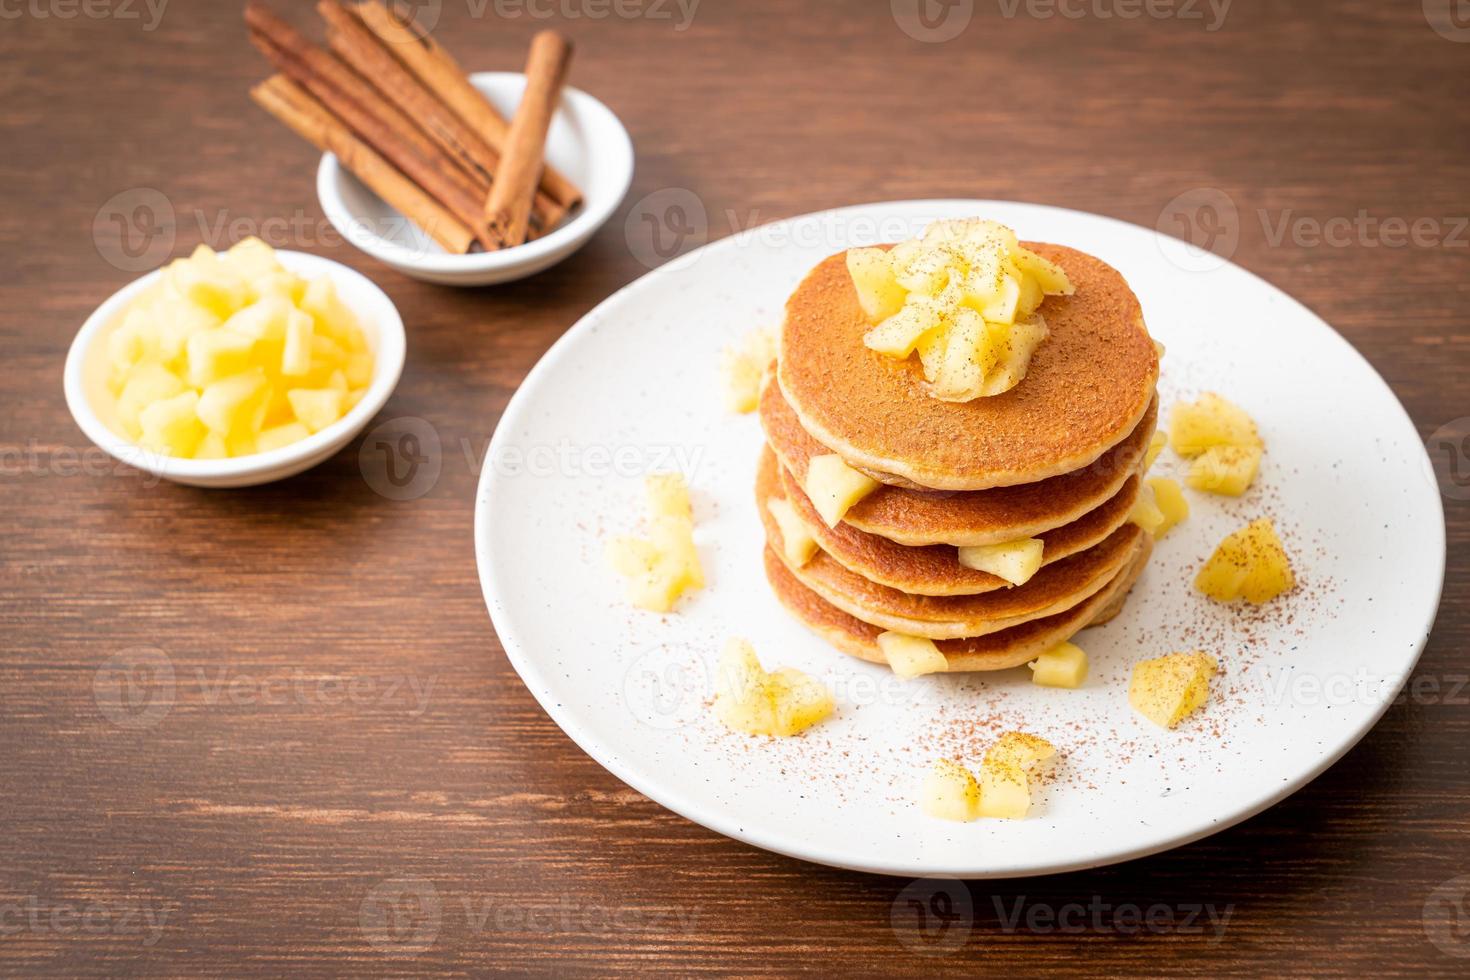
<point x="1088" y="386"/>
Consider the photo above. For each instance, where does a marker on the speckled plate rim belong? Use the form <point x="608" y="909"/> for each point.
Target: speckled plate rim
<point x="524" y="661"/>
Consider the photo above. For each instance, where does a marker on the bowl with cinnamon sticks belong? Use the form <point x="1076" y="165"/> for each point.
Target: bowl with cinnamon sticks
<point x="460" y="179"/>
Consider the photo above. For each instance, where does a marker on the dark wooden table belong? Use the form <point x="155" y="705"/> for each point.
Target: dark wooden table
<point x="272" y="731"/>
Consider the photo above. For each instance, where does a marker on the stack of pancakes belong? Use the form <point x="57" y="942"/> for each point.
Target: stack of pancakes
<point x="1058" y="457"/>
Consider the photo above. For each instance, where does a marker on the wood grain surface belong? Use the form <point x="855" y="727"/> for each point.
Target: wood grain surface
<point x="272" y="732"/>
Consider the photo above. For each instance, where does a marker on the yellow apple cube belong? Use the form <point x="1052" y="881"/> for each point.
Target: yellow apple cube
<point x="1167" y="689"/>
<point x="1210" y="421"/>
<point x="1064" y="665"/>
<point x="236" y="405"/>
<point x="216" y="354"/>
<point x="1146" y="512"/>
<point x="749" y="699"/>
<point x="1051" y="277"/>
<point x="359" y="369"/>
<point x="911" y="656"/>
<point x="834" y="487"/>
<point x="147" y="384"/>
<point x="743" y="370"/>
<point x="898" y="334"/>
<point x="212" y="446"/>
<point x="263" y="320"/>
<point x="1005" y="789"/>
<point x="798" y="700"/>
<point x="1225" y="470"/>
<point x="1014" y="561"/>
<point x="316" y="408"/>
<point x="280" y="435"/>
<point x="206" y="281"/>
<point x="674" y="538"/>
<point x="1156" y="444"/>
<point x="332" y="317"/>
<point x="878" y="290"/>
<point x="950" y="792"/>
<point x="797" y="544"/>
<point x="668" y="496"/>
<point x="171" y="425"/>
<point x="1002" y="307"/>
<point x="296" y="355"/>
<point x="1249" y="564"/>
<point x="1024" y="337"/>
<point x="1169" y="500"/>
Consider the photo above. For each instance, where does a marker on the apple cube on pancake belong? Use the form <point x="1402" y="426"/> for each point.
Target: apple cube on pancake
<point x="1025" y="336"/>
<point x="950" y="792"/>
<point x="1064" y="665"/>
<point x="833" y="486"/>
<point x="911" y="656"/>
<point x="1249" y="564"/>
<point x="1170" y="501"/>
<point x="1005" y="789"/>
<point x="797" y="543"/>
<point x="901" y="332"/>
<point x="1210" y="421"/>
<point x="1167" y="689"/>
<point x="1156" y="444"/>
<point x="749" y="699"/>
<point x="1226" y="470"/>
<point x="1014" y="561"/>
<point x="1051" y="277"/>
<point x="878" y="291"/>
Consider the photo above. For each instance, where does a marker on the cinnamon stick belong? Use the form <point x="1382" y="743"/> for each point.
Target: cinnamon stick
<point x="360" y="48"/>
<point x="315" y="123"/>
<point x="508" y="207"/>
<point x="375" y="120"/>
<point x="442" y="75"/>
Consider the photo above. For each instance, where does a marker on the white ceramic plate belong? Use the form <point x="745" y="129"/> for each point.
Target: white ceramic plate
<point x="632" y="388"/>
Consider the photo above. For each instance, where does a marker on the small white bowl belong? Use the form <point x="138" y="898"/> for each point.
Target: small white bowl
<point x="86" y="385"/>
<point x="586" y="142"/>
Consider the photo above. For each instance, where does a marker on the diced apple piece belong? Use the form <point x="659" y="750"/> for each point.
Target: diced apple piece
<point x="1156" y="444"/>
<point x="797" y="543"/>
<point x="1170" y="502"/>
<point x="1227" y="470"/>
<point x="236" y="405"/>
<point x="900" y="333"/>
<point x="973" y="348"/>
<point x="280" y="435"/>
<point x="668" y="496"/>
<point x="1014" y="561"/>
<point x="359" y="369"/>
<point x="265" y="319"/>
<point x="1051" y="277"/>
<point x="1166" y="689"/>
<point x="674" y="538"/>
<point x="1146" y="512"/>
<point x="911" y="656"/>
<point x="834" y="487"/>
<point x="1249" y="564"/>
<point x="216" y="354"/>
<point x="206" y="281"/>
<point x="798" y="699"/>
<point x="1064" y="665"/>
<point x="296" y="355"/>
<point x="147" y="384"/>
<point x="950" y="792"/>
<point x="253" y="258"/>
<point x="316" y="408"/>
<point x="743" y="370"/>
<point x="1002" y="308"/>
<point x="1210" y="421"/>
<point x="1024" y="337"/>
<point x="212" y="446"/>
<point x="1005" y="789"/>
<point x="331" y="317"/>
<point x="171" y="425"/>
<point x="918" y="269"/>
<point x="878" y="291"/>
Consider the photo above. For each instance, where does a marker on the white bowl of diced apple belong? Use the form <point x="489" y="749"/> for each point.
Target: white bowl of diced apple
<point x="237" y="368"/>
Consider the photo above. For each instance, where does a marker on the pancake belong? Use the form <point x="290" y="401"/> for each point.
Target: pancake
<point x="936" y="569"/>
<point x="1055" y="588"/>
<point x="916" y="518"/>
<point x="994" y="651"/>
<point x="1089" y="384"/>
